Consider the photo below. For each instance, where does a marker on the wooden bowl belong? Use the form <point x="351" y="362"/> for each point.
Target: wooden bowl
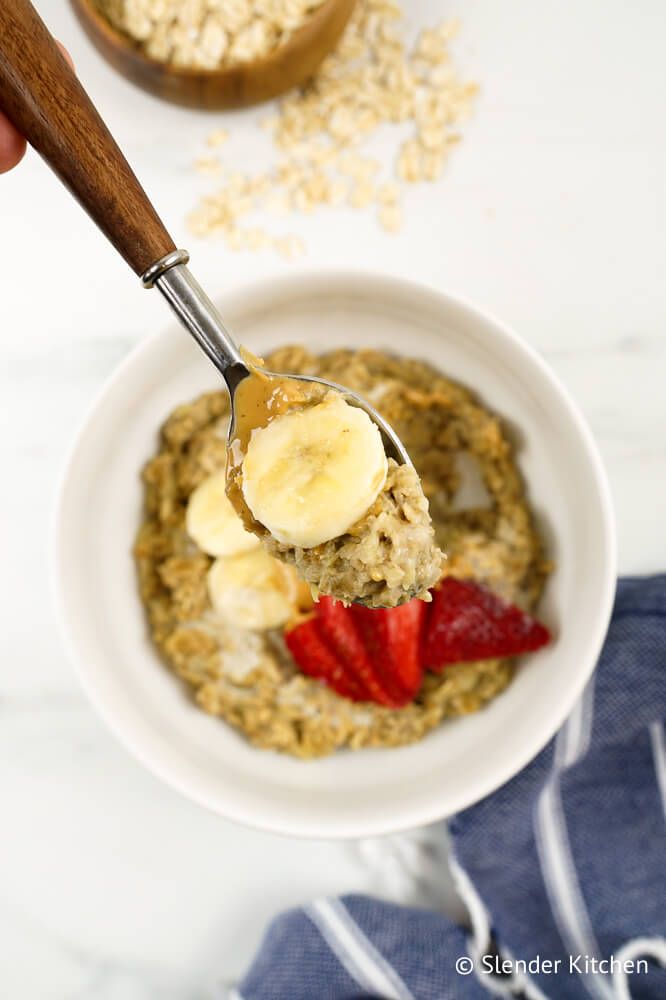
<point x="235" y="87"/>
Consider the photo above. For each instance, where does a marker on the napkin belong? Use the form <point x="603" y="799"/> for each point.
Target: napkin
<point x="562" y="870"/>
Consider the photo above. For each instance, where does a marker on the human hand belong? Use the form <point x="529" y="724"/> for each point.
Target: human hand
<point x="12" y="143"/>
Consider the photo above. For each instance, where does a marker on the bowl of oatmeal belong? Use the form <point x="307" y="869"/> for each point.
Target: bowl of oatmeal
<point x="189" y="644"/>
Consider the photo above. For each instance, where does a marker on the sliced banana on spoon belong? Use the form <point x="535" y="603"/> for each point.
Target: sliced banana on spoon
<point x="310" y="474"/>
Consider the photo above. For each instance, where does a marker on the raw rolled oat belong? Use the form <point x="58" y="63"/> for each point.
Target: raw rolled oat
<point x="322" y="131"/>
<point x="208" y="34"/>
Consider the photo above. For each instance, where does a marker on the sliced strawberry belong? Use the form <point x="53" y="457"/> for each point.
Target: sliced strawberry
<point x="469" y="622"/>
<point x="392" y="638"/>
<point x="363" y="654"/>
<point x="338" y="625"/>
<point x="315" y="657"/>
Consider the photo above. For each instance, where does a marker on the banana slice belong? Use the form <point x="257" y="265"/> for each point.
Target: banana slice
<point x="212" y="522"/>
<point x="253" y="590"/>
<point x="310" y="474"/>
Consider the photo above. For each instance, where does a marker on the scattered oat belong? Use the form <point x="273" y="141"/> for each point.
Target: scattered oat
<point x="208" y="165"/>
<point x="390" y="218"/>
<point x="373" y="80"/>
<point x="218" y="138"/>
<point x="358" y="167"/>
<point x="362" y="194"/>
<point x="388" y="193"/>
<point x="290" y="246"/>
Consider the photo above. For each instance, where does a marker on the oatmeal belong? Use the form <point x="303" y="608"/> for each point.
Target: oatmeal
<point x="387" y="557"/>
<point x="247" y="676"/>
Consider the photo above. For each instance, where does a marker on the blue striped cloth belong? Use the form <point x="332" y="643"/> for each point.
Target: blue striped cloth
<point x="563" y="869"/>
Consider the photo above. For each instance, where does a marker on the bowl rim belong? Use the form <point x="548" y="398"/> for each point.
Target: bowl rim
<point x="340" y="281"/>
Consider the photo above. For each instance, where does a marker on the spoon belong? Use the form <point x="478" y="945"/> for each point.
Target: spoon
<point x="44" y="99"/>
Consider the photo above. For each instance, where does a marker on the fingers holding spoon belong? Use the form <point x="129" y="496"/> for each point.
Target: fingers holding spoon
<point x="12" y="143"/>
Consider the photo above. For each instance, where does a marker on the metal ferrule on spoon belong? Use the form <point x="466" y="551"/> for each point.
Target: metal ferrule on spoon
<point x="171" y="276"/>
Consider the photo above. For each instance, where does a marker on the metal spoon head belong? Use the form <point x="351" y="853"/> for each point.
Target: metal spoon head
<point x="201" y="318"/>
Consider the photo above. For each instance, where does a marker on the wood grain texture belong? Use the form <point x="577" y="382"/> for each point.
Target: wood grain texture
<point x="236" y="87"/>
<point x="42" y="96"/>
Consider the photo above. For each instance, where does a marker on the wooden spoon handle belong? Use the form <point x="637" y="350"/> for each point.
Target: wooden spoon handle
<point x="42" y="96"/>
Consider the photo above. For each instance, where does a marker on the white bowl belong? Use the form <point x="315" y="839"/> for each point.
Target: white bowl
<point x="371" y="791"/>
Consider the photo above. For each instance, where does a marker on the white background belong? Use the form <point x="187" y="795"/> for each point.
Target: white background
<point x="552" y="215"/>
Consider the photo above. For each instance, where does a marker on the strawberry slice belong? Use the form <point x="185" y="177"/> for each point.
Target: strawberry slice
<point x="469" y="622"/>
<point x="363" y="654"/>
<point x="392" y="639"/>
<point x="337" y="625"/>
<point x="379" y="655"/>
<point x="316" y="658"/>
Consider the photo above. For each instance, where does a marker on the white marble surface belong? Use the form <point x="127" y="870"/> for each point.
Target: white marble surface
<point x="552" y="215"/>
